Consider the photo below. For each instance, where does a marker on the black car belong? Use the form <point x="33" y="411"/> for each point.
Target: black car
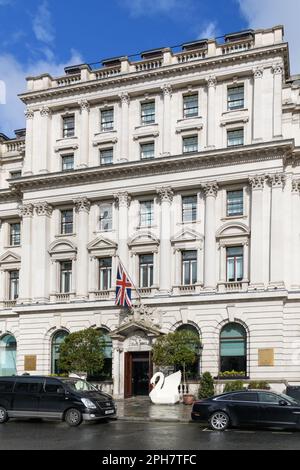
<point x="249" y="407"/>
<point x="69" y="399"/>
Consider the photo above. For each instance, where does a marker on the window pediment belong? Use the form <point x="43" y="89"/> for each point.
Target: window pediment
<point x="102" y="246"/>
<point x="143" y="238"/>
<point x="187" y="235"/>
<point x="233" y="230"/>
<point x="62" y="249"/>
<point x="9" y="258"/>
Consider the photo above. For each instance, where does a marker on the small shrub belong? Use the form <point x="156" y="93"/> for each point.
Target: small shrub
<point x="206" y="388"/>
<point x="234" y="386"/>
<point x="232" y="373"/>
<point x="259" y="384"/>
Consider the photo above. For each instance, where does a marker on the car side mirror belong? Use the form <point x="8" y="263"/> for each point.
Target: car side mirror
<point x="283" y="403"/>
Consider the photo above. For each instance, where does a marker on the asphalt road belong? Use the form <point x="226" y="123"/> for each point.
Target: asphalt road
<point x="121" y="435"/>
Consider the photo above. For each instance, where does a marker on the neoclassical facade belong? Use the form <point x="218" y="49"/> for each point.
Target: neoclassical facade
<point x="186" y="166"/>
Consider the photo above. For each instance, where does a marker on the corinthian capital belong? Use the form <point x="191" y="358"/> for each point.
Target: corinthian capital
<point x="122" y="199"/>
<point x="296" y="186"/>
<point x="125" y="98"/>
<point x="277" y="69"/>
<point x="257" y="181"/>
<point x="277" y="180"/>
<point x="43" y="208"/>
<point x="29" y="114"/>
<point x="258" y="72"/>
<point x="82" y="204"/>
<point x="165" y="194"/>
<point x="167" y="89"/>
<point x="84" y="105"/>
<point x="26" y="210"/>
<point x="211" y="81"/>
<point x="45" y="111"/>
<point x="210" y="189"/>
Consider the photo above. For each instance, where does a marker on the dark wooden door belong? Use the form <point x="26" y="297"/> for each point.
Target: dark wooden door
<point x="138" y="370"/>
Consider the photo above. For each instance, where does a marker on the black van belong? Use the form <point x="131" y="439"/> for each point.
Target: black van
<point x="69" y="399"/>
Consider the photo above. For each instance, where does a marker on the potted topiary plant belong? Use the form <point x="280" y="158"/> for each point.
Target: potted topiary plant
<point x="206" y="387"/>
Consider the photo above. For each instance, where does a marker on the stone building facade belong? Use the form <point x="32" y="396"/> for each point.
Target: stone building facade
<point x="186" y="165"/>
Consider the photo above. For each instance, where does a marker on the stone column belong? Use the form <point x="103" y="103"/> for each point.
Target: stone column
<point x="82" y="209"/>
<point x="257" y="230"/>
<point x="165" y="197"/>
<point x="125" y="101"/>
<point x="210" y="191"/>
<point x="84" y="134"/>
<point x="27" y="171"/>
<point x="167" y="94"/>
<point x="26" y="212"/>
<point x="295" y="281"/>
<point x="277" y="181"/>
<point x="44" y="140"/>
<point x="41" y="239"/>
<point x="211" y="117"/>
<point x="123" y="200"/>
<point x="257" y="103"/>
<point x="277" y="103"/>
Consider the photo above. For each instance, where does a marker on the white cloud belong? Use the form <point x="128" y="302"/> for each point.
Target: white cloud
<point x="152" y="7"/>
<point x="42" y="24"/>
<point x="209" y="30"/>
<point x="267" y="13"/>
<point x="13" y="73"/>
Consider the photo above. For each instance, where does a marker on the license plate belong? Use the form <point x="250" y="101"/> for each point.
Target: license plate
<point x="109" y="412"/>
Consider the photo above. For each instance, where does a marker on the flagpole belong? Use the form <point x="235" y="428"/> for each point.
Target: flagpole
<point x="134" y="286"/>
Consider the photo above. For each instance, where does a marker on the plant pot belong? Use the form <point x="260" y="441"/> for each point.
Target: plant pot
<point x="188" y="399"/>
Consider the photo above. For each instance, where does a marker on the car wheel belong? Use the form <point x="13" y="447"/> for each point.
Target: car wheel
<point x="219" y="421"/>
<point x="73" y="417"/>
<point x="3" y="415"/>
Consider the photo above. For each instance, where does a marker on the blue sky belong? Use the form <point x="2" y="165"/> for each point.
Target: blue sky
<point x="39" y="36"/>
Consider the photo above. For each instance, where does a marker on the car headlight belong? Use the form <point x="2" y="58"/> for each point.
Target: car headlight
<point x="88" y="403"/>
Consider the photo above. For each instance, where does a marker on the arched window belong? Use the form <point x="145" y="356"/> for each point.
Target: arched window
<point x="192" y="371"/>
<point x="57" y="340"/>
<point x="233" y="349"/>
<point x="8" y="355"/>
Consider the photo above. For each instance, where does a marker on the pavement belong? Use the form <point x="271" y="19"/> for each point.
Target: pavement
<point x="142" y="409"/>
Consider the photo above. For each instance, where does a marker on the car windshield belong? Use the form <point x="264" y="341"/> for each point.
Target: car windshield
<point x="79" y="385"/>
<point x="290" y="399"/>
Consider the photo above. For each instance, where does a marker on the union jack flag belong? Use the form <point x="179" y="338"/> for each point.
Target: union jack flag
<point x="123" y="288"/>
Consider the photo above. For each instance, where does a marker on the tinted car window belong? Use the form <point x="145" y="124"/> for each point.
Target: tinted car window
<point x="28" y="387"/>
<point x="224" y="397"/>
<point x="6" y="386"/>
<point x="269" y="397"/>
<point x="245" y="397"/>
<point x="52" y="387"/>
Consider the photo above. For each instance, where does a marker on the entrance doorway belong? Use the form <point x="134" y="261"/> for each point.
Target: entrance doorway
<point x="138" y="372"/>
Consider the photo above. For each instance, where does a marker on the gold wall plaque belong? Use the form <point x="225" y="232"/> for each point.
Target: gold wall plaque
<point x="266" y="357"/>
<point x="30" y="363"/>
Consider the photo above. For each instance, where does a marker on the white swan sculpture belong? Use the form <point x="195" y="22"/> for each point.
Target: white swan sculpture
<point x="165" y="391"/>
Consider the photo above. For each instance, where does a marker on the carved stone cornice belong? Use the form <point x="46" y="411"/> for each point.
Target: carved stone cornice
<point x="26" y="210"/>
<point x="211" y="81"/>
<point x="82" y="204"/>
<point x="258" y="72"/>
<point x="165" y="194"/>
<point x="125" y="98"/>
<point x="167" y="89"/>
<point x="43" y="209"/>
<point x="122" y="199"/>
<point x="45" y="111"/>
<point x="84" y="105"/>
<point x="277" y="180"/>
<point x="210" y="189"/>
<point x="257" y="181"/>
<point x="29" y="113"/>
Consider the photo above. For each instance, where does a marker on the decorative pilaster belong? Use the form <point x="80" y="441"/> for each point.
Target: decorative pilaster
<point x="258" y="74"/>
<point x="277" y="102"/>
<point x="26" y="213"/>
<point x="41" y="239"/>
<point x="211" y="93"/>
<point x="84" y="133"/>
<point x="165" y="196"/>
<point x="277" y="181"/>
<point x="210" y="191"/>
<point x="123" y="200"/>
<point x="82" y="209"/>
<point x="167" y="95"/>
<point x="295" y="278"/>
<point x="29" y="115"/>
<point x="125" y="101"/>
<point x="45" y="114"/>
<point x="257" y="184"/>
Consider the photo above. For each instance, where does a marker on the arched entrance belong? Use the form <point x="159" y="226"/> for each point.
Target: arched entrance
<point x="8" y="355"/>
<point x="57" y="340"/>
